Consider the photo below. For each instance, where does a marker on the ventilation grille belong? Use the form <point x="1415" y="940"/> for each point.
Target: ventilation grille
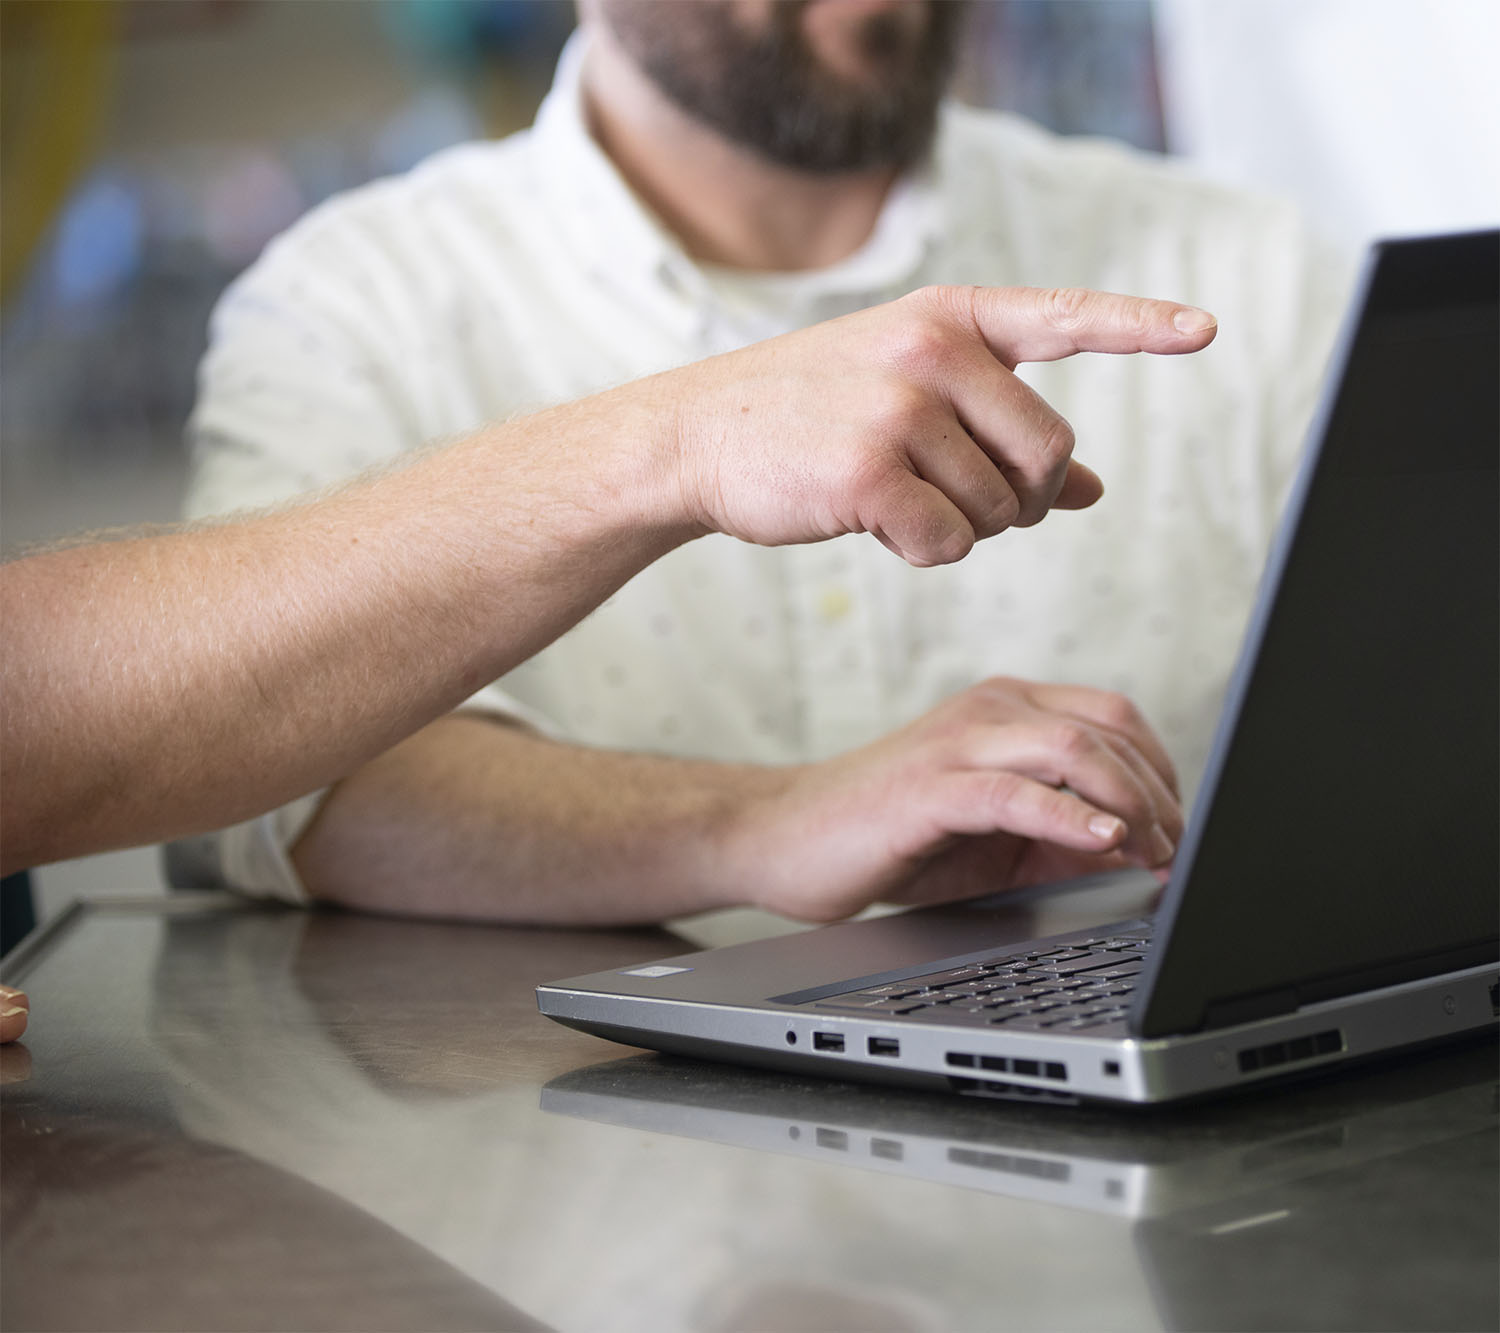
<point x="1001" y="1064"/>
<point x="1290" y="1052"/>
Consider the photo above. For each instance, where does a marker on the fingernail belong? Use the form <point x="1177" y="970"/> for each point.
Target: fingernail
<point x="1192" y="320"/>
<point x="1106" y="827"/>
<point x="13" y="1011"/>
<point x="1161" y="845"/>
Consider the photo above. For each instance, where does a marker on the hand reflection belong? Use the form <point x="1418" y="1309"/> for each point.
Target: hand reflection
<point x="15" y="1064"/>
<point x="427" y="1008"/>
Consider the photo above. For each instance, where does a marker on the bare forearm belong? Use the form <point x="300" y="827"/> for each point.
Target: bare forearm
<point x="1006" y="783"/>
<point x="475" y="819"/>
<point x="302" y="642"/>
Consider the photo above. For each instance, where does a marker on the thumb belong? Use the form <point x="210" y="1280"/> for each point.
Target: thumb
<point x="1081" y="487"/>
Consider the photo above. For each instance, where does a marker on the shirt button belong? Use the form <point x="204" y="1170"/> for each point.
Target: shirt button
<point x="835" y="604"/>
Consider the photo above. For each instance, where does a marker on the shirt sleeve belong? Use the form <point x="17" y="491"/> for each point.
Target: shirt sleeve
<point x="302" y="388"/>
<point x="295" y="392"/>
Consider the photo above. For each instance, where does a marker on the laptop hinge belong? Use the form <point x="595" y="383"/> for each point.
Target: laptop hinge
<point x="1249" y="1008"/>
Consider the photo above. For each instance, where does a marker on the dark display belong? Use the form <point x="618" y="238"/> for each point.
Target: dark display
<point x="1367" y="851"/>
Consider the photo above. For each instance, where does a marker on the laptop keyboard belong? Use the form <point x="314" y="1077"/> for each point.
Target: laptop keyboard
<point x="1075" y="987"/>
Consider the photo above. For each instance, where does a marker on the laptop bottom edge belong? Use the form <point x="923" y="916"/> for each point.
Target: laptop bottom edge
<point x="1030" y="1066"/>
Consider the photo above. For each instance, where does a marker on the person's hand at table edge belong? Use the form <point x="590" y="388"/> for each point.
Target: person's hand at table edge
<point x="15" y="1010"/>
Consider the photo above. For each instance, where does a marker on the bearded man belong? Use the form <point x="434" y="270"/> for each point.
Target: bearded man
<point x="807" y="729"/>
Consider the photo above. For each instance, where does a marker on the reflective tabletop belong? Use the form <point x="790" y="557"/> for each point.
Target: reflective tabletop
<point x="229" y="1116"/>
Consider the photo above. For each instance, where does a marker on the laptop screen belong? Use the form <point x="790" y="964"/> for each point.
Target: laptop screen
<point x="1349" y="830"/>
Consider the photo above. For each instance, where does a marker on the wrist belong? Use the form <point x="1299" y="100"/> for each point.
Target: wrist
<point x="640" y="459"/>
<point x="747" y="837"/>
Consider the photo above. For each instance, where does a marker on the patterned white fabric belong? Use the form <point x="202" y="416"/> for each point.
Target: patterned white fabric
<point x="501" y="277"/>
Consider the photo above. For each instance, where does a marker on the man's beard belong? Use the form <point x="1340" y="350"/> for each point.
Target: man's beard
<point x="769" y="92"/>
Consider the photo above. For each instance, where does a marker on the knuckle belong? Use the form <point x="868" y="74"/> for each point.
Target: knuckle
<point x="1056" y="806"/>
<point x="1007" y="684"/>
<point x="920" y="345"/>
<point x="1072" y="740"/>
<point x="1119" y="712"/>
<point x="1058" y="439"/>
<point x="872" y="487"/>
<point x="1001" y="511"/>
<point x="996" y="692"/>
<point x="1141" y="316"/>
<point x="1066" y="307"/>
<point x="898" y="410"/>
<point x="1004" y="789"/>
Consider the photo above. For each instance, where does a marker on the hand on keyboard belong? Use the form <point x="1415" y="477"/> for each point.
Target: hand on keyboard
<point x="1008" y="783"/>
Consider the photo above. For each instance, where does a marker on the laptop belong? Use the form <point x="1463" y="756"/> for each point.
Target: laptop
<point x="1334" y="896"/>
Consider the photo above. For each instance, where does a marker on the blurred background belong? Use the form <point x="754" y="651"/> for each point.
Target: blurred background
<point x="150" y="148"/>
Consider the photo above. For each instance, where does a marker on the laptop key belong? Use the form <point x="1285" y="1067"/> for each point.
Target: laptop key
<point x="1082" y="963"/>
<point x="1118" y="971"/>
<point x="952" y="974"/>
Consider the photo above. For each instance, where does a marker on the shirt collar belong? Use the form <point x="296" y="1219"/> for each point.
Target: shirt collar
<point x="607" y="224"/>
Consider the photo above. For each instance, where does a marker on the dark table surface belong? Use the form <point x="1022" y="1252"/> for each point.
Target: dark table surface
<point x="228" y="1116"/>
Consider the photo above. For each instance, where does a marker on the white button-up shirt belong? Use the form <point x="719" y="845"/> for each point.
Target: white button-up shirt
<point x="498" y="278"/>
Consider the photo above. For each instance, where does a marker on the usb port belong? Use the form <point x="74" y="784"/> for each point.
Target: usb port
<point x="828" y="1041"/>
<point x="884" y="1046"/>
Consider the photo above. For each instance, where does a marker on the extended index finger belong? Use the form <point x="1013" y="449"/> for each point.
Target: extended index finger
<point x="1046" y="324"/>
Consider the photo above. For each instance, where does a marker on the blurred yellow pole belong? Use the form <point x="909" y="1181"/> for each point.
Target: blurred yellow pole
<point x="56" y="59"/>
